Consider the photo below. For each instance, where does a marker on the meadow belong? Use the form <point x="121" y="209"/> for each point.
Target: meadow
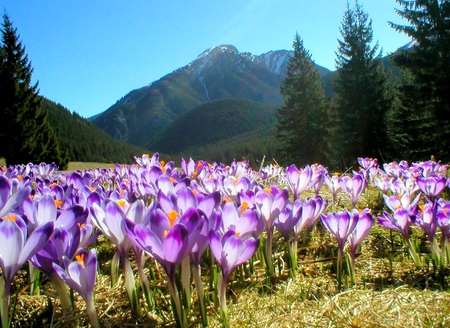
<point x="392" y="273"/>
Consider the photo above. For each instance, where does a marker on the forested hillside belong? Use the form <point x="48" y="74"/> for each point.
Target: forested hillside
<point x="221" y="130"/>
<point x="84" y="141"/>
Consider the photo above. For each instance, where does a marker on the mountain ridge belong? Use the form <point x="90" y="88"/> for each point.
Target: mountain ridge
<point x="220" y="72"/>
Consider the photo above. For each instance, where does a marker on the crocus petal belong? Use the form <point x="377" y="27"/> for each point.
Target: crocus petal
<point x="46" y="210"/>
<point x="174" y="244"/>
<point x="11" y="245"/>
<point x="215" y="245"/>
<point x="35" y="242"/>
<point x="15" y="200"/>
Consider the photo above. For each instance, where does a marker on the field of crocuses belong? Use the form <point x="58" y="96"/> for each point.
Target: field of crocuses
<point x="178" y="246"/>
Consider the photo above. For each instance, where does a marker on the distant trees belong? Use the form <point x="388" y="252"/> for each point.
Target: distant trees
<point x="363" y="96"/>
<point x="421" y="125"/>
<point x="26" y="135"/>
<point x="301" y="129"/>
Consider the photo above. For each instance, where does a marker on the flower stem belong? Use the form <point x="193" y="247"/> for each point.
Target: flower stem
<point x="61" y="290"/>
<point x="201" y="296"/>
<point x="92" y="313"/>
<point x="4" y="303"/>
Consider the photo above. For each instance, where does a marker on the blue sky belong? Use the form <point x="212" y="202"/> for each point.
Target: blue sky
<point x="88" y="54"/>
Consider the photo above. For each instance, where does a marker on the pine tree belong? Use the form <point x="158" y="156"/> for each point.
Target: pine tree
<point x="300" y="128"/>
<point x="425" y="91"/>
<point x="26" y="135"/>
<point x="362" y="94"/>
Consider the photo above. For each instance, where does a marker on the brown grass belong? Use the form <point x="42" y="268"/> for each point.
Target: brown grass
<point x="389" y="292"/>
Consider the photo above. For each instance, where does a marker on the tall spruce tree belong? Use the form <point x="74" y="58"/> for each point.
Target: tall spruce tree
<point x="363" y="94"/>
<point x="420" y="127"/>
<point x="301" y="129"/>
<point x="26" y="135"/>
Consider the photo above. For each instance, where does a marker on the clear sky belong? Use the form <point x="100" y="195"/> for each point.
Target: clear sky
<point x="88" y="54"/>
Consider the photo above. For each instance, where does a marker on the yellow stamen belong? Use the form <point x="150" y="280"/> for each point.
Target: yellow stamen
<point x="269" y="190"/>
<point x="237" y="233"/>
<point x="11" y="217"/>
<point x="165" y="233"/>
<point x="228" y="200"/>
<point x="235" y="180"/>
<point x="172" y="215"/>
<point x="19" y="177"/>
<point x="58" y="203"/>
<point x="3" y="168"/>
<point x="80" y="258"/>
<point x="244" y="207"/>
<point x="92" y="188"/>
<point x="195" y="192"/>
<point x="122" y="203"/>
<point x="53" y="184"/>
<point x="172" y="180"/>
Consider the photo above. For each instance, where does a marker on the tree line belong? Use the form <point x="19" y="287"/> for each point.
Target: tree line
<point x="36" y="129"/>
<point x="370" y="114"/>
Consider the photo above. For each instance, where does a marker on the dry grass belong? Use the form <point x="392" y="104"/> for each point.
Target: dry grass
<point x="390" y="292"/>
<point x="72" y="166"/>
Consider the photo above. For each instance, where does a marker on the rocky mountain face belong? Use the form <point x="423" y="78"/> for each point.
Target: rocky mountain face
<point x="218" y="73"/>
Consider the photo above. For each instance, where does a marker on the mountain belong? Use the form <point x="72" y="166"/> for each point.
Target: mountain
<point x="84" y="141"/>
<point x="218" y="73"/>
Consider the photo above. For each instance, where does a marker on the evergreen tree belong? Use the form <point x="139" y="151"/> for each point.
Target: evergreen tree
<point x="26" y="135"/>
<point x="363" y="94"/>
<point x="421" y="126"/>
<point x="301" y="129"/>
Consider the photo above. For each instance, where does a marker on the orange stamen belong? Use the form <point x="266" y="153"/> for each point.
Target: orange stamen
<point x="11" y="217"/>
<point x="122" y="203"/>
<point x="244" y="207"/>
<point x="58" y="203"/>
<point x="80" y="258"/>
<point x="172" y="215"/>
<point x="228" y="200"/>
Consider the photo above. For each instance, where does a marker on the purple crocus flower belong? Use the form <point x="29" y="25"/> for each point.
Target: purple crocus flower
<point x="401" y="221"/>
<point x="16" y="248"/>
<point x="340" y="225"/>
<point x="230" y="250"/>
<point x="402" y="201"/>
<point x="169" y="243"/>
<point x="81" y="275"/>
<point x="270" y="202"/>
<point x="9" y="202"/>
<point x="443" y="218"/>
<point x="432" y="186"/>
<point x="361" y="231"/>
<point x="301" y="180"/>
<point x="425" y="219"/>
<point x="353" y="186"/>
<point x="111" y="222"/>
<point x="286" y="221"/>
<point x="311" y="210"/>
